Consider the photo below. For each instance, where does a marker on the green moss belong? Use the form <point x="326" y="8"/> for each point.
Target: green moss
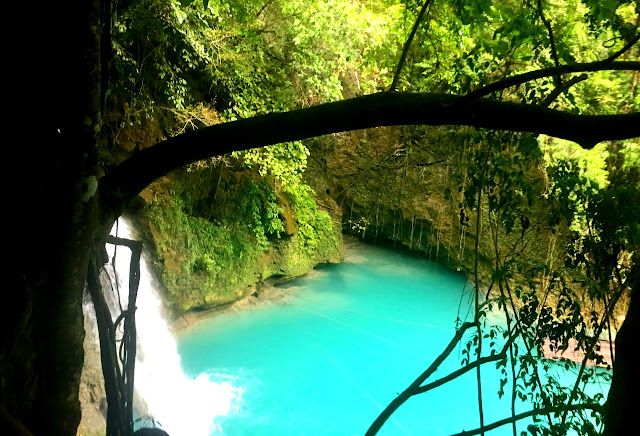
<point x="316" y="231"/>
<point x="208" y="263"/>
<point x="204" y="262"/>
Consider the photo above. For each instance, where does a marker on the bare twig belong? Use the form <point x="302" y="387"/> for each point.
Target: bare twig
<point x="528" y="348"/>
<point x="512" y="361"/>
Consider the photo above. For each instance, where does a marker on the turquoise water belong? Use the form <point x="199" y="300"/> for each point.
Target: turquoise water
<point x="339" y="348"/>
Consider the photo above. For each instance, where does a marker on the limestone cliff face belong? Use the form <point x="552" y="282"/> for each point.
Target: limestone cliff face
<point x="405" y="186"/>
<point x="390" y="191"/>
<point x="220" y="226"/>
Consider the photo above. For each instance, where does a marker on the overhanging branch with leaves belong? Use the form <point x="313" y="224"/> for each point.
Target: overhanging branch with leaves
<point x="381" y="109"/>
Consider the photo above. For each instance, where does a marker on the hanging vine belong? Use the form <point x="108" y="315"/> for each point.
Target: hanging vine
<point x="117" y="338"/>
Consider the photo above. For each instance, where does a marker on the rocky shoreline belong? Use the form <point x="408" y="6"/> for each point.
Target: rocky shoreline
<point x="257" y="296"/>
<point x="260" y="294"/>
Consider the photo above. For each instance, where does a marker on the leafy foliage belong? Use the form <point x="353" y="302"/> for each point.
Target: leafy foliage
<point x="259" y="209"/>
<point x="208" y="262"/>
<point x="315" y="228"/>
<point x="204" y="263"/>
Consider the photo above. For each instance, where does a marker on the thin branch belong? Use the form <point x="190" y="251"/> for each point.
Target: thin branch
<point x="457" y="373"/>
<point x="512" y="362"/>
<point x="547" y="410"/>
<point x="475" y="364"/>
<point x="408" y="393"/>
<point x="518" y="322"/>
<point x="611" y="349"/>
<point x="561" y="88"/>
<point x="416" y="389"/>
<point x="557" y="79"/>
<point x="590" y="347"/>
<point x="519" y="79"/>
<point x="265" y="6"/>
<point x="527" y="346"/>
<point x="477" y="285"/>
<point x="627" y="46"/>
<point x="407" y="44"/>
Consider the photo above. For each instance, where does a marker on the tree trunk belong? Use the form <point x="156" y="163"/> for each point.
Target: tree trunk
<point x="53" y="214"/>
<point x="622" y="402"/>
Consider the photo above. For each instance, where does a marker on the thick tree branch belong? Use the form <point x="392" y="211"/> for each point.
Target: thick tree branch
<point x="621" y="409"/>
<point x="126" y="180"/>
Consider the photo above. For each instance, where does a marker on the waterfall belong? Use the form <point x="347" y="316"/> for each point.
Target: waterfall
<point x="163" y="393"/>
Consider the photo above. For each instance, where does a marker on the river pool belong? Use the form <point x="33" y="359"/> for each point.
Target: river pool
<point x="328" y="357"/>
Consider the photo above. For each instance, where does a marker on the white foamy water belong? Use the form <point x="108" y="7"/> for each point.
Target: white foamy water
<point x="181" y="406"/>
